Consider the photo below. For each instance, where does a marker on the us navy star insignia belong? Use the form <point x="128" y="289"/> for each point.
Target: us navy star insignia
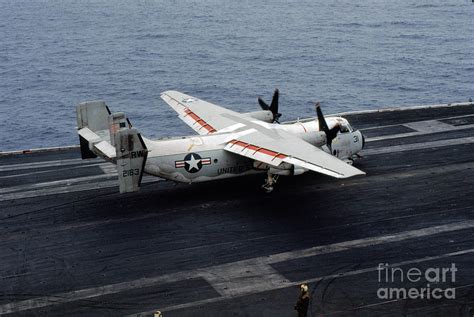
<point x="193" y="162"/>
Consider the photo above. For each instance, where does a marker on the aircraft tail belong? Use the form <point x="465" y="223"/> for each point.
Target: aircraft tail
<point x="112" y="137"/>
<point x="131" y="152"/>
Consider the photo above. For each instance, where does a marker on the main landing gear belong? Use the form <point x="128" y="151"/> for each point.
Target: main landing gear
<point x="269" y="181"/>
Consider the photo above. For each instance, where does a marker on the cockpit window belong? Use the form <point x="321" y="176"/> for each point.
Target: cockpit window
<point x="345" y="128"/>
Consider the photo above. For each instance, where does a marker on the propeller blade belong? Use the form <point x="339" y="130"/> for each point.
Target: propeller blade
<point x="322" y="122"/>
<point x="333" y="132"/>
<point x="330" y="133"/>
<point x="274" y="104"/>
<point x="263" y="104"/>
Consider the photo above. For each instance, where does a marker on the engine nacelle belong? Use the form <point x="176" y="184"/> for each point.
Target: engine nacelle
<point x="263" y="115"/>
<point x="316" y="138"/>
<point x="299" y="170"/>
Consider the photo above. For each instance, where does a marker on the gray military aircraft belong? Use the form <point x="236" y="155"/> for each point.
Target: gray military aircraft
<point x="229" y="144"/>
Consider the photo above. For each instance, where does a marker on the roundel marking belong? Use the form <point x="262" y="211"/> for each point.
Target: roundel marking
<point x="193" y="162"/>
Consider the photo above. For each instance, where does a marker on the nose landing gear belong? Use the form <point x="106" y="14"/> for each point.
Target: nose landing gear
<point x="269" y="181"/>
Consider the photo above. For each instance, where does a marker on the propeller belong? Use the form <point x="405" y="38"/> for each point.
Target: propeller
<point x="330" y="133"/>
<point x="273" y="106"/>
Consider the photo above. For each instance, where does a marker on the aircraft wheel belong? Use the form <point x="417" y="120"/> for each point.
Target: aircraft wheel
<point x="268" y="189"/>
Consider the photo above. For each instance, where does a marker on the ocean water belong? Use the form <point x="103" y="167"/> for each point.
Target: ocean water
<point x="350" y="55"/>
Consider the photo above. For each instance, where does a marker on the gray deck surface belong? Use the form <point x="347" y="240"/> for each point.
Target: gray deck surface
<point x="71" y="245"/>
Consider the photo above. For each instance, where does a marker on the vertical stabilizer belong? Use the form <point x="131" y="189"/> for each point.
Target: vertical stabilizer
<point x="91" y="116"/>
<point x="131" y="153"/>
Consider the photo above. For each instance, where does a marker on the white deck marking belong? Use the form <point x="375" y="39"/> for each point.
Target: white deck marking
<point x="55" y="171"/>
<point x="421" y="128"/>
<point x="417" y="133"/>
<point x="417" y="146"/>
<point x="23" y="166"/>
<point x="399" y="124"/>
<point x="429" y="126"/>
<point x="238" y="278"/>
<point x="100" y="184"/>
<point x="109" y="168"/>
<point x="62" y="182"/>
<point x="59" y="190"/>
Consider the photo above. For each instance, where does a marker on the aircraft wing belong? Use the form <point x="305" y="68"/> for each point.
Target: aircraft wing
<point x="271" y="146"/>
<point x="204" y="117"/>
<point x="254" y="139"/>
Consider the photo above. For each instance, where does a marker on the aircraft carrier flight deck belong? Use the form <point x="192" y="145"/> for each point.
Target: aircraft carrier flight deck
<point x="71" y="245"/>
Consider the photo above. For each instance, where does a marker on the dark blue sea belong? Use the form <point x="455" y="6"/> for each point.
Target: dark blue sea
<point x="350" y="55"/>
